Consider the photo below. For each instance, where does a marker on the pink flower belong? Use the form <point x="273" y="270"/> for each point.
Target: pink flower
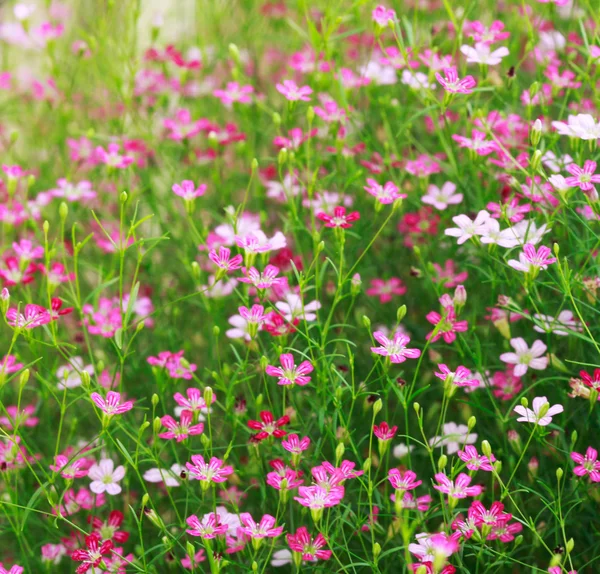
<point x="474" y="460"/>
<point x="105" y="477"/>
<point x="481" y="516"/>
<point x="477" y="142"/>
<point x="111" y="405"/>
<point x="213" y="471"/>
<point x="193" y="401"/>
<point x="524" y="357"/>
<point x="311" y="549"/>
<point x="541" y="414"/>
<point x="339" y="218"/>
<point x="112" y="158"/>
<point x="458" y="488"/>
<point x="588" y="465"/>
<point x="209" y="527"/>
<point x="247" y="324"/>
<point x="234" y="93"/>
<point x="531" y="260"/>
<point x="223" y="259"/>
<point x="182" y="429"/>
<point x="396" y="348"/>
<point x="403" y="481"/>
<point x="264" y="529"/>
<point x="382" y="15"/>
<point x="316" y="497"/>
<point x="294" y="444"/>
<point x="19" y="418"/>
<point x="294" y="93"/>
<point x="188" y="190"/>
<point x="582" y="177"/>
<point x="289" y="373"/>
<point x="386" y="288"/>
<point x="488" y="35"/>
<point x="452" y="84"/>
<point x="386" y="193"/>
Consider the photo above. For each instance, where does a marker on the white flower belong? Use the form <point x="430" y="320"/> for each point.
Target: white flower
<point x="582" y="126"/>
<point x="453" y="438"/>
<point x="467" y="228"/>
<point x="527" y="232"/>
<point x="292" y="308"/>
<point x="401" y="450"/>
<point x="442" y="197"/>
<point x="551" y="41"/>
<point x="380" y="74"/>
<point x="556" y="163"/>
<point x="163" y="475"/>
<point x="524" y="357"/>
<point x="416" y="80"/>
<point x="281" y="558"/>
<point x="69" y="376"/>
<point x="561" y="325"/>
<point x="105" y="477"/>
<point x="232" y="520"/>
<point x="541" y="414"/>
<point x="558" y="182"/>
<point x="481" y="54"/>
<point x="492" y="234"/>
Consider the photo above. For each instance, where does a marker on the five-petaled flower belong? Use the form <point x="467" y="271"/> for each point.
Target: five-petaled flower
<point x="541" y="414"/>
<point x="395" y="349"/>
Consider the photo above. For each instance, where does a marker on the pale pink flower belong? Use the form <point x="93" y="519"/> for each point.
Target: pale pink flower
<point x="386" y="193"/>
<point x="112" y="405"/>
<point x="182" y="429"/>
<point x="541" y="414"/>
<point x="382" y="15"/>
<point x="264" y="529"/>
<point x="105" y="477"/>
<point x="482" y="54"/>
<point x="187" y="190"/>
<point x="467" y="228"/>
<point x="442" y="197"/>
<point x="206" y="472"/>
<point x="293" y="92"/>
<point x="525" y="357"/>
<point x="452" y="84"/>
<point x="458" y="488"/>
<point x="582" y="177"/>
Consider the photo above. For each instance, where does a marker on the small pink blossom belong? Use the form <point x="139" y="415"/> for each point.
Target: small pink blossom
<point x="293" y="92"/>
<point x="524" y="357"/>
<point x="395" y="348"/>
<point x="541" y="414"/>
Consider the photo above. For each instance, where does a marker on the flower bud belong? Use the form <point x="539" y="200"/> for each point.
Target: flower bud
<point x="63" y="210"/>
<point x="377" y="406"/>
<point x="400" y="313"/>
<point x="155" y="399"/>
<point x="24" y="377"/>
<point x="536" y="133"/>
<point x="442" y="462"/>
<point x="366" y="322"/>
<point x="208" y="396"/>
<point x="486" y="449"/>
<point x="339" y="452"/>
<point x="123" y="197"/>
<point x="471" y="423"/>
<point x="157" y="425"/>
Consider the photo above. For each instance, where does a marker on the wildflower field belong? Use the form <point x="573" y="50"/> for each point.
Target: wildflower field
<point x="299" y="286"/>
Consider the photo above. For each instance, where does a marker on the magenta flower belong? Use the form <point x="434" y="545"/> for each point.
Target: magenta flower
<point x="474" y="460"/>
<point x="382" y="15"/>
<point x="76" y="469"/>
<point x="32" y="316"/>
<point x="264" y="529"/>
<point x="112" y="156"/>
<point x="311" y="549"/>
<point x="446" y="326"/>
<point x="234" y="93"/>
<point x="395" y="349"/>
<point x="588" y="465"/>
<point x="182" y="429"/>
<point x="541" y="414"/>
<point x="111" y="405"/>
<point x="293" y="92"/>
<point x="187" y="190"/>
<point x="316" y="497"/>
<point x="289" y="373"/>
<point x="223" y="259"/>
<point x="481" y="516"/>
<point x="403" y="481"/>
<point x="268" y="426"/>
<point x="194" y="400"/>
<point x="458" y="488"/>
<point x="531" y="260"/>
<point x="582" y="177"/>
<point x="294" y="444"/>
<point x="384" y="432"/>
<point x="462" y="377"/>
<point x="452" y="84"/>
<point x="213" y="471"/>
<point x="386" y="193"/>
<point x="524" y="357"/>
<point x="19" y="418"/>
<point x="339" y="218"/>
<point x="209" y="527"/>
<point x="265" y="280"/>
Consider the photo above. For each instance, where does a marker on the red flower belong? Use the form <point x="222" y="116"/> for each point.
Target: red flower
<point x="92" y="556"/>
<point x="268" y="426"/>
